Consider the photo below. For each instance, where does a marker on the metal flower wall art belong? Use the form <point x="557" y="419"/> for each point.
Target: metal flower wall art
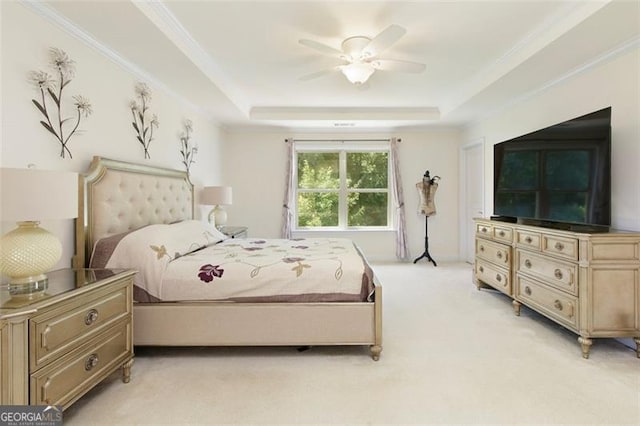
<point x="51" y="89"/>
<point x="142" y="124"/>
<point x="187" y="150"/>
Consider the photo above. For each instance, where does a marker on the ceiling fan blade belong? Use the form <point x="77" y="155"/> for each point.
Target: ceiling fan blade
<point x="318" y="74"/>
<point x="383" y="41"/>
<point x="320" y="47"/>
<point x="394" y="65"/>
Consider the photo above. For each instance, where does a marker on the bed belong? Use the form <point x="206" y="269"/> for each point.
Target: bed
<point x="117" y="197"/>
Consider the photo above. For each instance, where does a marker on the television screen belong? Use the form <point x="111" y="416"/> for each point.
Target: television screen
<point x="559" y="174"/>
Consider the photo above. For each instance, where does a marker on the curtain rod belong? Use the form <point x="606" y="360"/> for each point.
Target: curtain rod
<point x="343" y="140"/>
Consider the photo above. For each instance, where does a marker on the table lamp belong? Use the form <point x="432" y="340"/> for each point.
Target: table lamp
<point x="217" y="196"/>
<point x="28" y="252"/>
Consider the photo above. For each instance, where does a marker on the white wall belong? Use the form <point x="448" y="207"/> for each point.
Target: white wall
<point x="256" y="171"/>
<point x="26" y="38"/>
<point x="615" y="83"/>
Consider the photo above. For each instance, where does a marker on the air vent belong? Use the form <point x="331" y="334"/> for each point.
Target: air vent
<point x="344" y="124"/>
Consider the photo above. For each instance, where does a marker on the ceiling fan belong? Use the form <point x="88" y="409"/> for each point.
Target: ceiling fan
<point x="361" y="56"/>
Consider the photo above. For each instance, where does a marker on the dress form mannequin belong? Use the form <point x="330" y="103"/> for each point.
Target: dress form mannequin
<point x="427" y="190"/>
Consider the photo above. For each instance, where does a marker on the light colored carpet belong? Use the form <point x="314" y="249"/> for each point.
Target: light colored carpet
<point x="451" y="354"/>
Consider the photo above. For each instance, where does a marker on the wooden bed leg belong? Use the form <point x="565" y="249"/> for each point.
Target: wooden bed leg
<point x="375" y="352"/>
<point x="126" y="371"/>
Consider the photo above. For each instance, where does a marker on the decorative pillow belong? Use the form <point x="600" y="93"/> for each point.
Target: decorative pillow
<point x="187" y="236"/>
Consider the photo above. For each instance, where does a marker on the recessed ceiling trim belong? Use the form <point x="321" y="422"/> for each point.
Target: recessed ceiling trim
<point x="69" y="27"/>
<point x="343" y="114"/>
<point x="172" y="28"/>
<point x="543" y="35"/>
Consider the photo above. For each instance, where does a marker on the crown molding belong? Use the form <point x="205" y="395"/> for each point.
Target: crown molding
<point x="50" y="14"/>
<point x="160" y="15"/>
<point x="621" y="49"/>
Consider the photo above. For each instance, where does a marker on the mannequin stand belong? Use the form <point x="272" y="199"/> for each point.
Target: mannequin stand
<point x="426" y="243"/>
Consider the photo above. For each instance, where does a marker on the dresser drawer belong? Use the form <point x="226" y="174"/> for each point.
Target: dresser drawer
<point x="485" y="230"/>
<point x="556" y="273"/>
<point x="493" y="252"/>
<point x="502" y="234"/>
<point x="59" y="330"/>
<point x="530" y="240"/>
<point x="560" y="246"/>
<point x="63" y="381"/>
<point x="550" y="302"/>
<point x="496" y="277"/>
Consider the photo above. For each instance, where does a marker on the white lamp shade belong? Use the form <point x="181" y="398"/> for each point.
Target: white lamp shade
<point x="216" y="196"/>
<point x="34" y="195"/>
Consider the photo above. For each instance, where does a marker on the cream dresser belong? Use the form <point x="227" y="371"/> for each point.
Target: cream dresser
<point x="56" y="347"/>
<point x="586" y="282"/>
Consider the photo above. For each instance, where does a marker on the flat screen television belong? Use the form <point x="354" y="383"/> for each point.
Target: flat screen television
<point x="559" y="176"/>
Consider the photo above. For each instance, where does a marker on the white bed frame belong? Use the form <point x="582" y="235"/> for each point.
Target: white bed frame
<point x="116" y="196"/>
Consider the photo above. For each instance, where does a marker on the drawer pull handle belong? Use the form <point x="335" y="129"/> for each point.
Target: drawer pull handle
<point x="501" y="233"/>
<point x="481" y="269"/>
<point x="91" y="362"/>
<point x="528" y="240"/>
<point x="527" y="263"/>
<point x="558" y="305"/>
<point x="559" y="246"/>
<point x="558" y="274"/>
<point x="498" y="278"/>
<point x="499" y="254"/>
<point x="91" y="317"/>
<point x="527" y="291"/>
<point x="484" y="230"/>
<point x="482" y="248"/>
<point x="43" y="391"/>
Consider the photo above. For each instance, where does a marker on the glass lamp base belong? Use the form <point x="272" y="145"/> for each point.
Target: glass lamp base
<point x="29" y="290"/>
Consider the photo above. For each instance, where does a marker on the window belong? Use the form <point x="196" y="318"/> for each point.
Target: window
<point x="342" y="186"/>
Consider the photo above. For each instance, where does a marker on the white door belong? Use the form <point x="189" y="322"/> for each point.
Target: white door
<point x="472" y="195"/>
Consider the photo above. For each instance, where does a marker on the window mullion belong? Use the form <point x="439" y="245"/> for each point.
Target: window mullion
<point x="342" y="205"/>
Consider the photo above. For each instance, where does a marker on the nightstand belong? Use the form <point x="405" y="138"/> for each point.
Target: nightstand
<point x="234" y="231"/>
<point x="56" y="346"/>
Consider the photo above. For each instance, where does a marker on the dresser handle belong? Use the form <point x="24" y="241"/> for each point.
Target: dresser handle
<point x="91" y="362"/>
<point x="558" y="305"/>
<point x="498" y="278"/>
<point x="527" y="263"/>
<point x="501" y="233"/>
<point x="499" y="254"/>
<point x="559" y="246"/>
<point x="481" y="269"/>
<point x="527" y="291"/>
<point x="528" y="240"/>
<point x="43" y="391"/>
<point x="484" y="230"/>
<point x="481" y="248"/>
<point x="558" y="274"/>
<point x="91" y="317"/>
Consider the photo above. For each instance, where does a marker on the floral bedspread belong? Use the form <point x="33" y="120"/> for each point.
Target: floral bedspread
<point x="245" y="270"/>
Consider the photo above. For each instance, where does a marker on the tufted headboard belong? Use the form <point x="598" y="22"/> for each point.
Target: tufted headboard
<point x="116" y="197"/>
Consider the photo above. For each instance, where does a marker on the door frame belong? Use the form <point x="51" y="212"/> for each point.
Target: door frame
<point x="464" y="232"/>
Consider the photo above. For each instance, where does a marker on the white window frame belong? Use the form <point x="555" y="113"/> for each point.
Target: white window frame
<point x="342" y="147"/>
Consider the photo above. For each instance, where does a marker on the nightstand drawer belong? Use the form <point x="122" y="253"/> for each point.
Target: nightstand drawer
<point x="60" y="329"/>
<point x="63" y="381"/>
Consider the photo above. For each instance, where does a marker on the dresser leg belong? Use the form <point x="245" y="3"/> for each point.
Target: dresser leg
<point x="586" y="346"/>
<point x="637" y="340"/>
<point x="126" y="371"/>
<point x="516" y="307"/>
<point x="375" y="352"/>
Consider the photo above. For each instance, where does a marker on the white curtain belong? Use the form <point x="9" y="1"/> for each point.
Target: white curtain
<point x="287" y="213"/>
<point x="402" y="248"/>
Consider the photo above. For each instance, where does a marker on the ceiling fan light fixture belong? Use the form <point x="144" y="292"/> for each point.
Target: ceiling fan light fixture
<point x="357" y="73"/>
